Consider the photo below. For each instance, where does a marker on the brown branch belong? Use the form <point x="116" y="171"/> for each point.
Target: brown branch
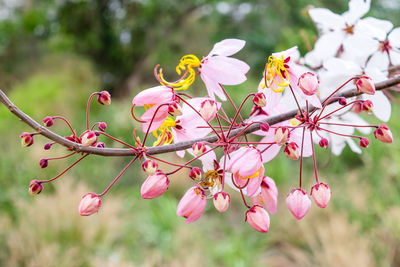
<point x="168" y="148"/>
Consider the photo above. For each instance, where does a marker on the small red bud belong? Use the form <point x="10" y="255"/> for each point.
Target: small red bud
<point x="199" y="149"/>
<point x="150" y="166"/>
<point x="174" y="109"/>
<point x="195" y="173"/>
<point x="88" y="138"/>
<point x="101" y="145"/>
<point x="342" y="101"/>
<point x="47" y="146"/>
<point x="44" y="163"/>
<point x="104" y="98"/>
<point x="383" y="134"/>
<point x="282" y="135"/>
<point x="324" y="143"/>
<point x="102" y="126"/>
<point x="89" y="205"/>
<point x="35" y="187"/>
<point x="208" y="109"/>
<point x="291" y="150"/>
<point x="264" y="127"/>
<point x="308" y="83"/>
<point x="48" y="121"/>
<point x="367" y="106"/>
<point x="366" y="85"/>
<point x="26" y="139"/>
<point x="259" y="99"/>
<point x="364" y="142"/>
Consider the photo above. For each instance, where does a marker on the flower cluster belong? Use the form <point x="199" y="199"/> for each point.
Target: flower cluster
<point x="312" y="85"/>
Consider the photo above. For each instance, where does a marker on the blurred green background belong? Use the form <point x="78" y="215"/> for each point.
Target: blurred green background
<point x="53" y="54"/>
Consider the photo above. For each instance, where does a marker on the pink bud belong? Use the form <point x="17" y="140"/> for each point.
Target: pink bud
<point x="342" y="101"/>
<point x="259" y="99"/>
<point x="269" y="194"/>
<point x="150" y="166"/>
<point x="101" y="145"/>
<point x="35" y="187"/>
<point x="102" y="126"/>
<point x="199" y="149"/>
<point x="291" y="150"/>
<point x="324" y="143"/>
<point x="192" y="204"/>
<point x="43" y="163"/>
<point x="321" y="194"/>
<point x="88" y="138"/>
<point x="195" y="173"/>
<point x="221" y="201"/>
<point x="264" y="127"/>
<point x="47" y="146"/>
<point x="48" y="121"/>
<point x="208" y="109"/>
<point x="26" y="139"/>
<point x="104" y="98"/>
<point x="154" y="186"/>
<point x="383" y="134"/>
<point x="364" y="142"/>
<point x="282" y="135"/>
<point x="367" y="106"/>
<point x="174" y="109"/>
<point x="90" y="204"/>
<point x="366" y="85"/>
<point x="258" y="218"/>
<point x="308" y="83"/>
<point x="298" y="203"/>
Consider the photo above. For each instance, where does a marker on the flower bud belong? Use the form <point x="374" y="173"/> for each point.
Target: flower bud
<point x="154" y="186"/>
<point x="192" y="204"/>
<point x="258" y="218"/>
<point x="264" y="127"/>
<point x="366" y="85"/>
<point x="101" y="145"/>
<point x="367" y="106"/>
<point x="88" y="138"/>
<point x="269" y="194"/>
<point x="324" y="143"/>
<point x="291" y="150"/>
<point x="221" y="201"/>
<point x="104" y="98"/>
<point x="90" y="204"/>
<point x="26" y="139"/>
<point x="47" y="146"/>
<point x="174" y="109"/>
<point x="298" y="203"/>
<point x="150" y="166"/>
<point x="308" y="83"/>
<point x="259" y="99"/>
<point x="208" y="109"/>
<point x="102" y="126"/>
<point x="321" y="194"/>
<point x="35" y="187"/>
<point x="364" y="142"/>
<point x="383" y="134"/>
<point x="342" y="101"/>
<point x="357" y="108"/>
<point x="195" y="173"/>
<point x="199" y="149"/>
<point x="44" y="163"/>
<point x="282" y="135"/>
<point x="48" y="121"/>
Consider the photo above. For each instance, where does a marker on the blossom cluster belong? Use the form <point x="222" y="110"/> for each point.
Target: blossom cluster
<point x="350" y="52"/>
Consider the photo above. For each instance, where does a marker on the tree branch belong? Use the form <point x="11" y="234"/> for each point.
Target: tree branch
<point x="168" y="148"/>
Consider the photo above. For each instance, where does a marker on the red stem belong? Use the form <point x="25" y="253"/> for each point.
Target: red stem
<point x="314" y="161"/>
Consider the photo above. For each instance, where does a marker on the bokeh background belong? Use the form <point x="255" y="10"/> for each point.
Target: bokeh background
<point x="53" y="54"/>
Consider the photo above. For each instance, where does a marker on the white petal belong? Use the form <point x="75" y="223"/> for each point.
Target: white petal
<point x="227" y="47"/>
<point x="394" y="38"/>
<point x="325" y="47"/>
<point x="325" y="19"/>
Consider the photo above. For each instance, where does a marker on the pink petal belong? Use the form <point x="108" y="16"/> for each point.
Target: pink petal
<point x="227" y="47"/>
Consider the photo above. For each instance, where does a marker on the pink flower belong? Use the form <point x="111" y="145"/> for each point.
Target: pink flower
<point x="269" y="194"/>
<point x="154" y="186"/>
<point x="366" y="85"/>
<point x="192" y="204"/>
<point x="298" y="203"/>
<point x="258" y="218"/>
<point x="218" y="68"/>
<point x="153" y="98"/>
<point x="383" y="134"/>
<point x="90" y="204"/>
<point x="246" y="164"/>
<point x="321" y="194"/>
<point x="221" y="201"/>
<point x="308" y="83"/>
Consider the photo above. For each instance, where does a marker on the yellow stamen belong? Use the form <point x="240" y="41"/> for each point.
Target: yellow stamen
<point x="294" y="122"/>
<point x="256" y="174"/>
<point x="163" y="133"/>
<point x="276" y="69"/>
<point x="211" y="179"/>
<point x="188" y="63"/>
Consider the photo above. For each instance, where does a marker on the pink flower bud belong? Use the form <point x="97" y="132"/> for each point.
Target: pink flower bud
<point x="258" y="218"/>
<point x="269" y="194"/>
<point x="324" y="143"/>
<point x="199" y="149"/>
<point x="298" y="203"/>
<point x="264" y="127"/>
<point x="342" y="101"/>
<point x="291" y="150"/>
<point x="43" y="163"/>
<point x="282" y="135"/>
<point x="367" y="106"/>
<point x="150" y="166"/>
<point x="101" y="145"/>
<point x="174" y="109"/>
<point x="321" y="194"/>
<point x="104" y="98"/>
<point x="48" y="121"/>
<point x="88" y="138"/>
<point x="47" y="146"/>
<point x="192" y="204"/>
<point x="90" y="204"/>
<point x="26" y="139"/>
<point x="208" y="109"/>
<point x="364" y="142"/>
<point x="260" y="100"/>
<point x="357" y="108"/>
<point x="35" y="187"/>
<point x="308" y="83"/>
<point x="383" y="134"/>
<point x="366" y="85"/>
<point x="221" y="201"/>
<point x="195" y="173"/>
<point x="102" y="126"/>
<point x="154" y="186"/>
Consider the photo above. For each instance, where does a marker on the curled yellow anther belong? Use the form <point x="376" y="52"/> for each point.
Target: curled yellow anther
<point x="163" y="134"/>
<point x="276" y="72"/>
